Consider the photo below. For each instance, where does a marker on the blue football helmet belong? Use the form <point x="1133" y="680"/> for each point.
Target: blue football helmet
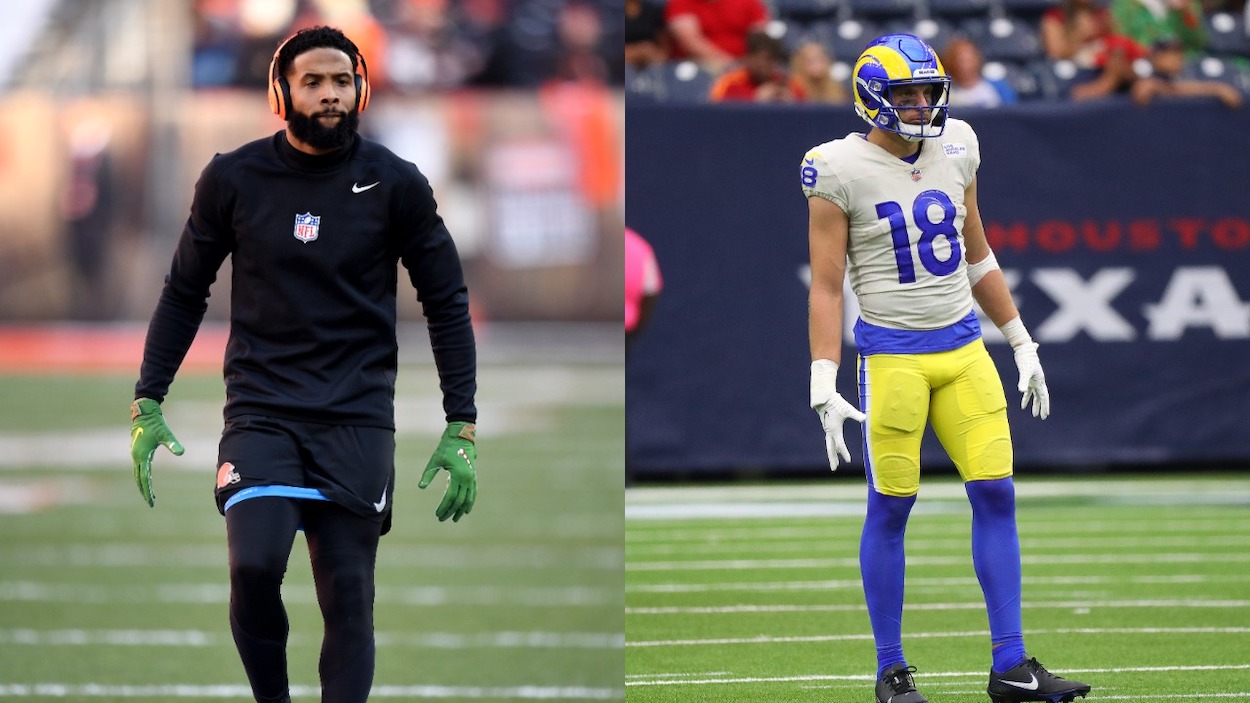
<point x="895" y="60"/>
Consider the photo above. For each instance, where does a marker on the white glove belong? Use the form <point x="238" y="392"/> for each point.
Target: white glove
<point x="832" y="409"/>
<point x="1032" y="380"/>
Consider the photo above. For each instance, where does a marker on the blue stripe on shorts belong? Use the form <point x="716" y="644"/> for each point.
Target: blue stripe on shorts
<point x="275" y="491"/>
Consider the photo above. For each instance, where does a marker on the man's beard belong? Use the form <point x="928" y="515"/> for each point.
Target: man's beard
<point x="309" y="130"/>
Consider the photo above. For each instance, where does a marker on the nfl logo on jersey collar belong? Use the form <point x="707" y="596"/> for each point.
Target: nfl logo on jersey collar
<point x="915" y="175"/>
<point x="307" y="227"/>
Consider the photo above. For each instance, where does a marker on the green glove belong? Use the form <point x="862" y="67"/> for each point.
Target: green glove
<point x="456" y="453"/>
<point x="148" y="431"/>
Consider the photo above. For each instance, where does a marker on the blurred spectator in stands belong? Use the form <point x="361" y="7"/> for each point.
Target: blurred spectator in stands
<point x="216" y="43"/>
<point x="251" y="29"/>
<point x="87" y="208"/>
<point x="355" y="19"/>
<point x="646" y="40"/>
<point x="425" y="52"/>
<point x="812" y="68"/>
<point x="969" y="88"/>
<point x="483" y="23"/>
<point x="1148" y="22"/>
<point x="581" y="53"/>
<point x="760" y="77"/>
<point x="439" y="44"/>
<point x="643" y="283"/>
<point x="713" y="32"/>
<point x="1082" y="32"/>
<point x="1167" y="61"/>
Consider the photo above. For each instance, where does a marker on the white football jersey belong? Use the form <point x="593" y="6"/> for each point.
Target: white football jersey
<point x="905" y="255"/>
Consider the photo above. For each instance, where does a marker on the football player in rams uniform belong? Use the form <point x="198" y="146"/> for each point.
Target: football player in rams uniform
<point x="896" y="210"/>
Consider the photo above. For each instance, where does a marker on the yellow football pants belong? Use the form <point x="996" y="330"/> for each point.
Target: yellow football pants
<point x="958" y="392"/>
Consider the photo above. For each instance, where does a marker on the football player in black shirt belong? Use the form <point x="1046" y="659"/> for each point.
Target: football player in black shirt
<point x="314" y="219"/>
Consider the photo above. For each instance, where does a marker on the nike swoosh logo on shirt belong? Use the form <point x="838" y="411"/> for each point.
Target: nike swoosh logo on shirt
<point x="1030" y="685"/>
<point x="381" y="504"/>
<point x="360" y="189"/>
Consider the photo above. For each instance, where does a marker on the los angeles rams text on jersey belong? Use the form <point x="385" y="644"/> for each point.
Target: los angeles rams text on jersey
<point x="905" y="252"/>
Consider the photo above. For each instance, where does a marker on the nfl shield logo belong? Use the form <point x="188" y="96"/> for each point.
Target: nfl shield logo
<point x="306" y="227"/>
<point x="915" y="176"/>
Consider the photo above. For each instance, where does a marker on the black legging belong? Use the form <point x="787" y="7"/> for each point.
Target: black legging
<point x="343" y="548"/>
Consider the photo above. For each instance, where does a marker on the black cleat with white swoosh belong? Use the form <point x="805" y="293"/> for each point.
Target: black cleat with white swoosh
<point x="896" y="686"/>
<point x="1030" y="681"/>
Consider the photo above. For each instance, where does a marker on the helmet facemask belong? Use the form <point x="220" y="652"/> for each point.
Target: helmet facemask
<point x="889" y="64"/>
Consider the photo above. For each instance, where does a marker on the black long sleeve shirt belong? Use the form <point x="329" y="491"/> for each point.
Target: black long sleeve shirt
<point x="314" y="243"/>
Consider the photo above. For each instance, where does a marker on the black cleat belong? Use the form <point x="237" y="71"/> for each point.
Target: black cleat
<point x="895" y="686"/>
<point x="1030" y="681"/>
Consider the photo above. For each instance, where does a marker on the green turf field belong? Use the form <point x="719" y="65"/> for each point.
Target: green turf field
<point x="745" y="594"/>
<point x="104" y="599"/>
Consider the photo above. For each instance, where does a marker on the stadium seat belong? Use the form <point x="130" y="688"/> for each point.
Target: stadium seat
<point x="1023" y="80"/>
<point x="845" y="39"/>
<point x="789" y="32"/>
<point x="937" y="32"/>
<point x="805" y="10"/>
<point x="1055" y="78"/>
<point x="1005" y="39"/>
<point x="882" y="9"/>
<point x="958" y="9"/>
<point x="1214" y="68"/>
<point x="1226" y="33"/>
<point x="642" y="85"/>
<point x="685" y="82"/>
<point x="1029" y="10"/>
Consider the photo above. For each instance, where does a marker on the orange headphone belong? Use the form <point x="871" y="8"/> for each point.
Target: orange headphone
<point x="280" y="90"/>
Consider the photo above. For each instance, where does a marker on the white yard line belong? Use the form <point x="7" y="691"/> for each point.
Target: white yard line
<point x="212" y="593"/>
<point x="659" y="681"/>
<point x="944" y="488"/>
<point x="636" y="536"/>
<point x="169" y="691"/>
<point x="920" y="545"/>
<point x="765" y="639"/>
<point x="656" y="505"/>
<point x="973" y="605"/>
<point x="135" y="554"/>
<point x="921" y="583"/>
<point x="853" y="562"/>
<point x="424" y="640"/>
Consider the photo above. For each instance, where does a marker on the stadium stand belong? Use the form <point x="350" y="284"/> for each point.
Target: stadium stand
<point x="1227" y="35"/>
<point x="1004" y="39"/>
<point x="805" y="10"/>
<point x="880" y="9"/>
<point x="958" y="9"/>
<point x="846" y="39"/>
<point x="1006" y="31"/>
<point x="677" y="82"/>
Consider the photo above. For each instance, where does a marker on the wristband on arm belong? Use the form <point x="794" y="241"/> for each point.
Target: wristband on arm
<point x="1015" y="332"/>
<point x="978" y="270"/>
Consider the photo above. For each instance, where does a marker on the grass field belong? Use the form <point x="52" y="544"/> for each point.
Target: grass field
<point x="104" y="599"/>
<point x="744" y="594"/>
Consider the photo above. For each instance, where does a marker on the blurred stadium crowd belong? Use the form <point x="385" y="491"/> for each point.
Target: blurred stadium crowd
<point x="996" y="51"/>
<point x="514" y="109"/>
<point x="416" y="45"/>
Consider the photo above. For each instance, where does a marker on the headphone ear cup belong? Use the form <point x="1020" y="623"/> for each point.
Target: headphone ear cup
<point x="280" y="98"/>
<point x="362" y="93"/>
<point x="276" y="99"/>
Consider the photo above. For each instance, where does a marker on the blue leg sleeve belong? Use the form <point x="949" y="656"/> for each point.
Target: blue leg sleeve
<point x="996" y="557"/>
<point x="882" y="563"/>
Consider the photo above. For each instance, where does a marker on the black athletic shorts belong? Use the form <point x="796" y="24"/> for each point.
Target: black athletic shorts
<point x="351" y="466"/>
